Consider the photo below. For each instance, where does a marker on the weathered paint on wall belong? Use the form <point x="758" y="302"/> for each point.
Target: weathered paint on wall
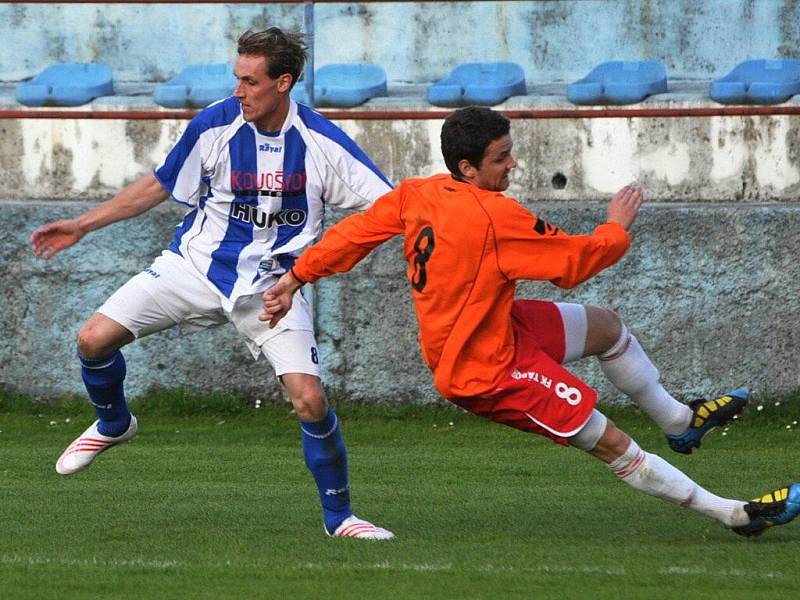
<point x="71" y="159"/>
<point x="699" y="287"/>
<point x="713" y="264"/>
<point x="415" y="42"/>
<point x="716" y="159"/>
<point x="560" y="40"/>
<point x="140" y="42"/>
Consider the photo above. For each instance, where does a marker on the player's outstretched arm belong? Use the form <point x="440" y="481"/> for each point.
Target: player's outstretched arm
<point x="277" y="300"/>
<point x="339" y="250"/>
<point x="624" y="206"/>
<point x="135" y="199"/>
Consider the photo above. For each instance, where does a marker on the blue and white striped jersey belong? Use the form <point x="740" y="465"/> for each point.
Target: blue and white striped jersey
<point x="257" y="197"/>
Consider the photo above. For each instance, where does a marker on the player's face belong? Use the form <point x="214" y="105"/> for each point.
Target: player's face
<point x="496" y="164"/>
<point x="264" y="100"/>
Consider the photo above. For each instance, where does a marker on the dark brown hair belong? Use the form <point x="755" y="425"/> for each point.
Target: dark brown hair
<point x="285" y="52"/>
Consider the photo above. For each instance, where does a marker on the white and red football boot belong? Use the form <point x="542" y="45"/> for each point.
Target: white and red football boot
<point x="354" y="527"/>
<point x="82" y="452"/>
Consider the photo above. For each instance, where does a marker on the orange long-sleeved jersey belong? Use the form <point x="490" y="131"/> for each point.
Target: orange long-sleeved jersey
<point x="466" y="248"/>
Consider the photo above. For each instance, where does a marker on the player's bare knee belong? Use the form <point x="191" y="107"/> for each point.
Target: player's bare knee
<point x="603" y="328"/>
<point x="309" y="402"/>
<point x="612" y="444"/>
<point x="101" y="336"/>
<point x="91" y="342"/>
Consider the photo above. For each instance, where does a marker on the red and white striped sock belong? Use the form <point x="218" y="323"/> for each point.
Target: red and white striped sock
<point x="653" y="475"/>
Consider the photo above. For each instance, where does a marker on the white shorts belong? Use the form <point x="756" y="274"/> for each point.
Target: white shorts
<point x="171" y="293"/>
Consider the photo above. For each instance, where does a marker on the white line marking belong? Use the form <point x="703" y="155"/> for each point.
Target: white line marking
<point x="89" y="562"/>
<point x="583" y="569"/>
<point x="719" y="573"/>
<point x="678" y="571"/>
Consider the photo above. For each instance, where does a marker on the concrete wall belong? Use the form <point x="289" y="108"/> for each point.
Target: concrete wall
<point x="560" y="40"/>
<point x="140" y="42"/>
<point x="44" y="304"/>
<point x="685" y="159"/>
<point x="414" y="42"/>
<point x="710" y="286"/>
<point x="712" y="291"/>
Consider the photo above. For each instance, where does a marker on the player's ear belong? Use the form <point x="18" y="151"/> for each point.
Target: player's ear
<point x="285" y="83"/>
<point x="468" y="171"/>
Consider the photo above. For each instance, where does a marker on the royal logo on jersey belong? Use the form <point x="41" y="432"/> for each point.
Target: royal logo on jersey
<point x="269" y="148"/>
<point x="293" y="217"/>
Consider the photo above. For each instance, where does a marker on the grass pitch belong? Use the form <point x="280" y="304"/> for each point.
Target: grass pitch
<point x="218" y="504"/>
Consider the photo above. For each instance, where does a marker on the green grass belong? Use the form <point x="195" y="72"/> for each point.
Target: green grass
<point x="218" y="504"/>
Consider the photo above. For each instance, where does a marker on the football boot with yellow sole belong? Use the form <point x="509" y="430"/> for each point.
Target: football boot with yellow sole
<point x="706" y="415"/>
<point x="775" y="508"/>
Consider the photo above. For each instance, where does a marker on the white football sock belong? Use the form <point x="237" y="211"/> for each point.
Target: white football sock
<point x="630" y="370"/>
<point x="653" y="475"/>
<point x="729" y="512"/>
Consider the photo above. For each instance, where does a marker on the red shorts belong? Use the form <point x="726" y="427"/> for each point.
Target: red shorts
<point x="537" y="394"/>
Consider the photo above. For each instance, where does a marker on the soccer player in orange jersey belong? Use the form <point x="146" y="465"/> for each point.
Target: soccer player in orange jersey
<point x="466" y="245"/>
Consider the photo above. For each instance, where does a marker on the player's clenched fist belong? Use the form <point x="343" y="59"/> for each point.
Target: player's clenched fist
<point x="277" y="300"/>
<point x="624" y="206"/>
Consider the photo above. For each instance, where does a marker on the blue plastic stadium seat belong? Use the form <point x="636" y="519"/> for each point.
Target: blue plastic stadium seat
<point x="619" y="82"/>
<point x="67" y="84"/>
<point x="344" y="85"/>
<point x="485" y="84"/>
<point x="758" y="82"/>
<point x="196" y="86"/>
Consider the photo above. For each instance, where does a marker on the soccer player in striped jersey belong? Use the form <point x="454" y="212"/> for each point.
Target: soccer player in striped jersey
<point x="255" y="171"/>
<point x="466" y="245"/>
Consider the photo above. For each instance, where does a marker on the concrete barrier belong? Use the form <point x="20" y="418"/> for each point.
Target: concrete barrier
<point x="678" y="159"/>
<point x="710" y="287"/>
<point x="711" y="290"/>
<point x="554" y="40"/>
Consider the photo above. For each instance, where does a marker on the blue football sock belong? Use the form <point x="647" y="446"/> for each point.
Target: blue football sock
<point x="326" y="458"/>
<point x="104" y="378"/>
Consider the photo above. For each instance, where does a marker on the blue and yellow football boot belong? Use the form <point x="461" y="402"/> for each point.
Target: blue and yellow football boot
<point x="775" y="508"/>
<point x="706" y="415"/>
